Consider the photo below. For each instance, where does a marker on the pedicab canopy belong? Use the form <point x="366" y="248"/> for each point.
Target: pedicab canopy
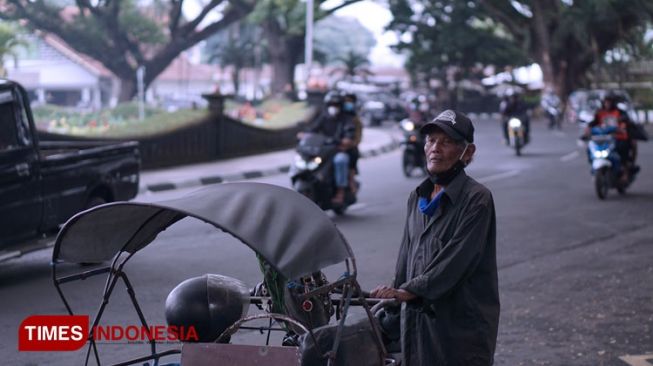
<point x="288" y="230"/>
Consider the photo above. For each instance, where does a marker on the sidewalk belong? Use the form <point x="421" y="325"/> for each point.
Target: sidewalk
<point x="374" y="142"/>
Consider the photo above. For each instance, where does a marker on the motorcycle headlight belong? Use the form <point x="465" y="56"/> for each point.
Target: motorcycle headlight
<point x="314" y="163"/>
<point x="514" y="123"/>
<point x="302" y="164"/>
<point x="407" y="125"/>
<point x="600" y="154"/>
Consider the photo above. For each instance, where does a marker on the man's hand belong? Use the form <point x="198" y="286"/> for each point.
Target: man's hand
<point x="386" y="292"/>
<point x="382" y="292"/>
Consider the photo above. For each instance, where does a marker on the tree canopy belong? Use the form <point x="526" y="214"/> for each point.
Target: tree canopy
<point x="124" y="35"/>
<point x="564" y="37"/>
<point x="284" y="25"/>
<point x="10" y="41"/>
<point x="331" y="46"/>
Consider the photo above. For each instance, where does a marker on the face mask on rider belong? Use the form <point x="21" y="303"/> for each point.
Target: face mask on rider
<point x="349" y="106"/>
<point x="446" y="177"/>
<point x="333" y="110"/>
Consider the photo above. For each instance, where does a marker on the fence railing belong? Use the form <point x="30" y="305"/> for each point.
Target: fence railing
<point x="216" y="137"/>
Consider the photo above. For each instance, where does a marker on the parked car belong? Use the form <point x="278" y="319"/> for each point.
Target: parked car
<point x="44" y="183"/>
<point x="583" y="104"/>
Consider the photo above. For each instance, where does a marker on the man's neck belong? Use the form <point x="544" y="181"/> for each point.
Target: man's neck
<point x="436" y="189"/>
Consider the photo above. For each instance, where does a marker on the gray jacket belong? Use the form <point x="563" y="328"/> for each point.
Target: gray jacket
<point x="449" y="262"/>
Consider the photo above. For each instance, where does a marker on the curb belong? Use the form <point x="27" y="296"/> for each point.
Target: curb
<point x="252" y="174"/>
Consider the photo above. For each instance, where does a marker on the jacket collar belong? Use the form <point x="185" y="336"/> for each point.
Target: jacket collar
<point x="452" y="191"/>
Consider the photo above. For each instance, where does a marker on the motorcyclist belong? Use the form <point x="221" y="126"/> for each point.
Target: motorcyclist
<point x="513" y="106"/>
<point x="350" y="101"/>
<point x="419" y="110"/>
<point x="609" y="115"/>
<point x="551" y="105"/>
<point x="336" y="124"/>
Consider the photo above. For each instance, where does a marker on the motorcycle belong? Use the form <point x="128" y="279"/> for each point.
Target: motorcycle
<point x="554" y="117"/>
<point x="516" y="133"/>
<point x="312" y="172"/>
<point x="607" y="167"/>
<point x="413" y="155"/>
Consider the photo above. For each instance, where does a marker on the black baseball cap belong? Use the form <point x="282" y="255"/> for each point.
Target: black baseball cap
<point x="455" y="124"/>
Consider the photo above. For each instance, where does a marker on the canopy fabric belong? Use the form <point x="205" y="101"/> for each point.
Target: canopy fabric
<point x="288" y="230"/>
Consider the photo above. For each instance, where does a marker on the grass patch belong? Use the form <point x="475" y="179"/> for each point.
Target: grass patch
<point x="118" y="122"/>
<point x="122" y="121"/>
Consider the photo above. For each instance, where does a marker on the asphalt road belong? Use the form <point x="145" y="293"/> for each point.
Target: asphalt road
<point x="576" y="273"/>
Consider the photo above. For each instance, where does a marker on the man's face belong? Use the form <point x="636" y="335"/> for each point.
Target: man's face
<point x="608" y="104"/>
<point x="442" y="152"/>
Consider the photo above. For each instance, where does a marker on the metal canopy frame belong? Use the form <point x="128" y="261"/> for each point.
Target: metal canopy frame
<point x="160" y="216"/>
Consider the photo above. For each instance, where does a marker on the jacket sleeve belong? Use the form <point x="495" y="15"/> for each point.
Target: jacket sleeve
<point x="458" y="257"/>
<point x="402" y="258"/>
<point x="316" y="125"/>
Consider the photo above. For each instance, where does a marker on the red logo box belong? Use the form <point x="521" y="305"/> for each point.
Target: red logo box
<point x="53" y="333"/>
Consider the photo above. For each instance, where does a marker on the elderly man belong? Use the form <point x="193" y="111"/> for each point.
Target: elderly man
<point x="446" y="273"/>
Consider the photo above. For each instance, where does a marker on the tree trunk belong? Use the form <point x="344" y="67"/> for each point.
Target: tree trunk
<point x="235" y="78"/>
<point x="128" y="89"/>
<point x="540" y="29"/>
<point x="278" y="56"/>
<point x="285" y="52"/>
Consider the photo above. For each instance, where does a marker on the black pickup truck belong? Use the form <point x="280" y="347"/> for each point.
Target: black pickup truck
<point x="43" y="184"/>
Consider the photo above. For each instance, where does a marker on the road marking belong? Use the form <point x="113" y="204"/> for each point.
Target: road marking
<point x="641" y="360"/>
<point x="492" y="178"/>
<point x="571" y="156"/>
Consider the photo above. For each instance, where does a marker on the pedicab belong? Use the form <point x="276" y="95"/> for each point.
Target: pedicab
<point x="293" y="239"/>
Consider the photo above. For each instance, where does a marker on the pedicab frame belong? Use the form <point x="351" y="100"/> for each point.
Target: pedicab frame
<point x="287" y="230"/>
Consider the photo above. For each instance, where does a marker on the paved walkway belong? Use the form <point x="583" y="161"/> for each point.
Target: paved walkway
<point x="374" y="142"/>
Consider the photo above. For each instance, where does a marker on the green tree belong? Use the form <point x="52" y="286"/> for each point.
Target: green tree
<point x="284" y="28"/>
<point x="10" y="41"/>
<point x="564" y="37"/>
<point x="124" y="36"/>
<point x="331" y="47"/>
<point x="449" y="41"/>
<point x="238" y="46"/>
<point x="353" y="64"/>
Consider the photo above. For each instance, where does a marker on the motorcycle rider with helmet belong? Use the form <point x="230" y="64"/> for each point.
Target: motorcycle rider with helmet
<point x="333" y="122"/>
<point x="610" y="115"/>
<point x="349" y="108"/>
<point x="551" y="105"/>
<point x="513" y="106"/>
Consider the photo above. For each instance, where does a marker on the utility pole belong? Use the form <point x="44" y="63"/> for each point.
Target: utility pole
<point x="140" y="75"/>
<point x="308" y="49"/>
